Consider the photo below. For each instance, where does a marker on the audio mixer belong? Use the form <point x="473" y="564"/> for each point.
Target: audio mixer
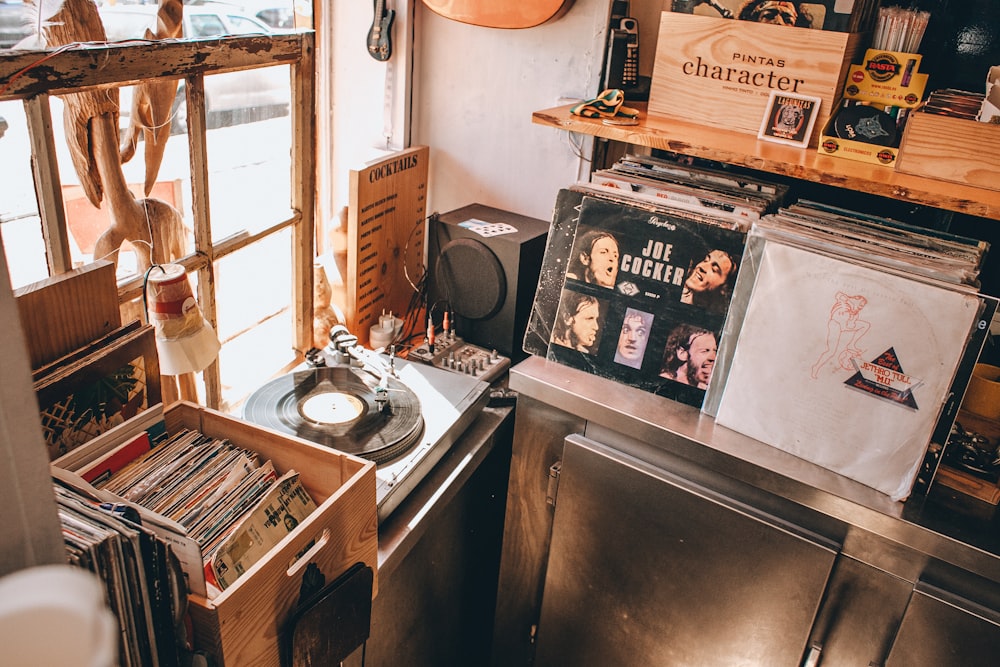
<point x="449" y="352"/>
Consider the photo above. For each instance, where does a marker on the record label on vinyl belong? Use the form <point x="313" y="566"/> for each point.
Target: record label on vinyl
<point x="342" y="408"/>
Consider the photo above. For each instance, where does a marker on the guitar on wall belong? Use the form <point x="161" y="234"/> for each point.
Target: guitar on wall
<point x="379" y="44"/>
<point x="500" y="13"/>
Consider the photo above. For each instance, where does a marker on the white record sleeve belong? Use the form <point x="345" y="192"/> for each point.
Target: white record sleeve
<point x="844" y="365"/>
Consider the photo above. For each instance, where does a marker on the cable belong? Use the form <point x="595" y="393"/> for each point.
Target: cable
<point x="145" y="280"/>
<point x="52" y="54"/>
<point x="577" y="146"/>
<point x="406" y="272"/>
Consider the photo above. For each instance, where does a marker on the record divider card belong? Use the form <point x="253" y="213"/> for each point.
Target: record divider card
<point x="385" y="237"/>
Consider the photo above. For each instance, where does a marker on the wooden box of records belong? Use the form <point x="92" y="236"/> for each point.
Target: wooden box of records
<point x="720" y="72"/>
<point x="953" y="149"/>
<point x="242" y="624"/>
<point x="241" y="593"/>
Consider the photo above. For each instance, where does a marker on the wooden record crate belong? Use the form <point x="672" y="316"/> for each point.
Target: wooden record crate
<point x="720" y="72"/>
<point x="951" y="149"/>
<point x="243" y="624"/>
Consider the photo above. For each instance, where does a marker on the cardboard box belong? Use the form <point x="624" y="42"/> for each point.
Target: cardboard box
<point x="242" y="625"/>
<point x="720" y="72"/>
<point x="891" y="78"/>
<point x="951" y="149"/>
<point x="888" y="81"/>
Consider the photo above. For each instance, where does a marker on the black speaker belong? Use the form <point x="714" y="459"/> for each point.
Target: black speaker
<point x="483" y="265"/>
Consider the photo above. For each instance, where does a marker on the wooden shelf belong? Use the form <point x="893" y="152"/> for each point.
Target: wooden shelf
<point x="746" y="150"/>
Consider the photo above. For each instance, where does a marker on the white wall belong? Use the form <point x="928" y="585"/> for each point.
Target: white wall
<point x="474" y="90"/>
<point x="351" y="90"/>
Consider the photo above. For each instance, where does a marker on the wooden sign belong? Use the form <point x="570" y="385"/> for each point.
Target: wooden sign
<point x="385" y="237"/>
<point x="720" y="72"/>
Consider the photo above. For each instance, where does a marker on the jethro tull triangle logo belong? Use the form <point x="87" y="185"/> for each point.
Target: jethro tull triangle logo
<point x="884" y="377"/>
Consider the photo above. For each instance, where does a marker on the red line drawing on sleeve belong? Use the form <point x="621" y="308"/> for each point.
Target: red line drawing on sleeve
<point x="844" y="331"/>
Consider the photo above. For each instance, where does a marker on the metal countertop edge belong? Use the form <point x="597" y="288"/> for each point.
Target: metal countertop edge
<point x="682" y="430"/>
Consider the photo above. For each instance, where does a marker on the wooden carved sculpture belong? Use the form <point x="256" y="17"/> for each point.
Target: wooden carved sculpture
<point x="154" y="99"/>
<point x="324" y="315"/>
<point x="152" y="226"/>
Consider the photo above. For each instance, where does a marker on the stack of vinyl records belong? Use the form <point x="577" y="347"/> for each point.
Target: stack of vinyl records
<point x="141" y="576"/>
<point x="235" y="506"/>
<point x="850" y="340"/>
<point x="705" y="195"/>
<point x="638" y="272"/>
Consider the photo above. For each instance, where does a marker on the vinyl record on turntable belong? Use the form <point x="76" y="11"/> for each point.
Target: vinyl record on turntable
<point x="337" y="407"/>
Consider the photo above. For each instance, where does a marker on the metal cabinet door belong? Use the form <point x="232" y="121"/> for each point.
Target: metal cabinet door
<point x="943" y="630"/>
<point x="647" y="569"/>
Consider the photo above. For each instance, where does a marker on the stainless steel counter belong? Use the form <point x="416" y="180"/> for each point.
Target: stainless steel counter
<point x="902" y="537"/>
<point x="403" y="529"/>
<point x="438" y="556"/>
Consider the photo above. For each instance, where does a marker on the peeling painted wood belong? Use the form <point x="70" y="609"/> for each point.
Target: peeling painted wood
<point x="27" y="73"/>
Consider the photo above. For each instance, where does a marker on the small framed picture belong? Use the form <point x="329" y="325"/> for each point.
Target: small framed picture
<point x="789" y="118"/>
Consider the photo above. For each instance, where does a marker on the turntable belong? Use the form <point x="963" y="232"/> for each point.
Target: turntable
<point x="402" y="415"/>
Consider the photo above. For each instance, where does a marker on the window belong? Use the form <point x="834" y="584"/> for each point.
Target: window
<point x="240" y="172"/>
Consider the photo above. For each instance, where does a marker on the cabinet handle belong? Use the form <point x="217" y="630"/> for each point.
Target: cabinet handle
<point x="812" y="656"/>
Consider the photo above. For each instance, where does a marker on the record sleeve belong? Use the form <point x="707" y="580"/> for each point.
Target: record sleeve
<point x="741" y="211"/>
<point x="844" y="365"/>
<point x="152" y="578"/>
<point x="641" y="287"/>
<point x="283" y="507"/>
<point x="974" y="247"/>
<point x="553" y="270"/>
<point x="657" y="167"/>
<point x="910" y="252"/>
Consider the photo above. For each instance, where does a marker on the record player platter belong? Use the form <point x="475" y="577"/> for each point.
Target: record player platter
<point x="341" y="407"/>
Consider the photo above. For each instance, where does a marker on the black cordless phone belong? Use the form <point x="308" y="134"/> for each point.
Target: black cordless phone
<point x="622" y="69"/>
<point x="630" y="72"/>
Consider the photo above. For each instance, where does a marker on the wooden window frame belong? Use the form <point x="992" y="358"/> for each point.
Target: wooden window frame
<point x="32" y="76"/>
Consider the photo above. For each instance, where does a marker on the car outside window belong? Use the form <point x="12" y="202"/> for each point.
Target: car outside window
<point x="207" y="25"/>
<point x="241" y="25"/>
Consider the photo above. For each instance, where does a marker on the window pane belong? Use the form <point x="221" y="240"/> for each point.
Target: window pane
<point x="244" y="25"/>
<point x="255" y="321"/>
<point x="15" y="22"/>
<point x="249" y="159"/>
<point x="248" y="149"/>
<point x="206" y="25"/>
<point x="20" y="226"/>
<point x="130" y="21"/>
